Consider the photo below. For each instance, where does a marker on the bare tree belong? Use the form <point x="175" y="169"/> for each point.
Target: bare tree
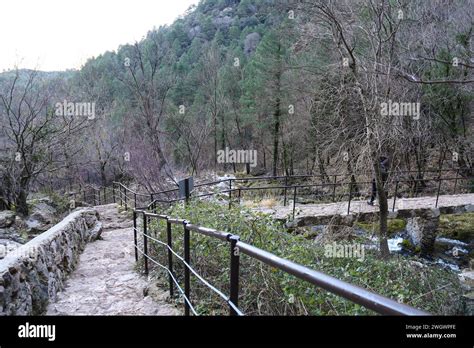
<point x="34" y="135"/>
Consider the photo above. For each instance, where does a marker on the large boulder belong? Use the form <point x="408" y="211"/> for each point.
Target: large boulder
<point x="44" y="212"/>
<point x="258" y="171"/>
<point x="251" y="42"/>
<point x="422" y="230"/>
<point x="194" y="31"/>
<point x="7" y="246"/>
<point x="34" y="226"/>
<point x="223" y="22"/>
<point x="12" y="234"/>
<point x="42" y="216"/>
<point x="227" y="10"/>
<point x="7" y="218"/>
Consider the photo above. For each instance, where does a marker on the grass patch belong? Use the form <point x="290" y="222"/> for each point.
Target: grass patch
<point x="268" y="291"/>
<point x="459" y="227"/>
<point x="393" y="226"/>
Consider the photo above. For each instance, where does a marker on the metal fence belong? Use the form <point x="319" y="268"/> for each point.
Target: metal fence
<point x="146" y="206"/>
<point x="355" y="294"/>
<point x="289" y="192"/>
<point x="334" y="191"/>
<point x="93" y="195"/>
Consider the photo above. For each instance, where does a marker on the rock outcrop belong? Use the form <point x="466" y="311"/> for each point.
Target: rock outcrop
<point x="251" y="42"/>
<point x="43" y="215"/>
<point x="7" y="218"/>
<point x="31" y="275"/>
<point x="422" y="229"/>
<point x="7" y="246"/>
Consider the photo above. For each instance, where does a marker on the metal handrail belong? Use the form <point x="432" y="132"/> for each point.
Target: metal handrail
<point x="363" y="297"/>
<point x="358" y="295"/>
<point x="130" y="190"/>
<point x="96" y="195"/>
<point x="289" y="177"/>
<point x="335" y="184"/>
<point x="351" y="292"/>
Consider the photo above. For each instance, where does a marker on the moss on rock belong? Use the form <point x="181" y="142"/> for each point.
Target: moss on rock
<point x="459" y="227"/>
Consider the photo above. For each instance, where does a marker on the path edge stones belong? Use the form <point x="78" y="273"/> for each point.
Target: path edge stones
<point x="32" y="275"/>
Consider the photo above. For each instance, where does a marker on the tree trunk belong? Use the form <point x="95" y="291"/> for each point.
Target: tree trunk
<point x="4" y="205"/>
<point x="103" y="174"/>
<point x="383" y="206"/>
<point x="223" y="144"/>
<point x="163" y="165"/>
<point x="20" y="202"/>
<point x="286" y="168"/>
<point x="215" y="142"/>
<point x="322" y="168"/>
<point x="276" y="135"/>
<point x="5" y="194"/>
<point x="264" y="159"/>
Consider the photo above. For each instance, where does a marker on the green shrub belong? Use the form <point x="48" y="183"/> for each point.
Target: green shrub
<point x="268" y="291"/>
<point x="393" y="226"/>
<point x="457" y="226"/>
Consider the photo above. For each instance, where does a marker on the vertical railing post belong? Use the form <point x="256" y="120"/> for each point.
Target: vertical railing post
<point x="145" y="243"/>
<point x="125" y="195"/>
<point x="456" y="181"/>
<point x="334" y="189"/>
<point x="286" y="184"/>
<point x="437" y="194"/>
<point x="294" y="202"/>
<point x="187" y="279"/>
<point x="120" y="195"/>
<point x="350" y="198"/>
<point x="135" y="244"/>
<point x="395" y="196"/>
<point x="230" y="193"/>
<point x="187" y="192"/>
<point x="170" y="255"/>
<point x="234" y="273"/>
<point x="113" y="192"/>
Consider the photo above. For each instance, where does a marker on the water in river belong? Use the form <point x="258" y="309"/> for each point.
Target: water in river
<point x="450" y="254"/>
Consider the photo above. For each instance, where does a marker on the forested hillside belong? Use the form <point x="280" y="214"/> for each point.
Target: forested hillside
<point x="302" y="83"/>
<point x="327" y="142"/>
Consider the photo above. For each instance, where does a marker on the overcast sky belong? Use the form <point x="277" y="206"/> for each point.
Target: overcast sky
<point x="62" y="34"/>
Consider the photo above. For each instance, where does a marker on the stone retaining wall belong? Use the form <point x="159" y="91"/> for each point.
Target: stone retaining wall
<point x="32" y="275"/>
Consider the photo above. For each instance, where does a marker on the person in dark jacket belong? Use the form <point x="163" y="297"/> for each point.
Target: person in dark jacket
<point x="384" y="166"/>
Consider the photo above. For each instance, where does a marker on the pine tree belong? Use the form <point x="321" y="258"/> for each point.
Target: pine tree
<point x="263" y="87"/>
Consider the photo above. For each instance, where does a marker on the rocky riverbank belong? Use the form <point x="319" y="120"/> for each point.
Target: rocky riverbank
<point x="16" y="230"/>
<point x="453" y="255"/>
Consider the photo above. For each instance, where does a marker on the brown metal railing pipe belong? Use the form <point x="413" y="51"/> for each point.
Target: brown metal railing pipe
<point x="351" y="292"/>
